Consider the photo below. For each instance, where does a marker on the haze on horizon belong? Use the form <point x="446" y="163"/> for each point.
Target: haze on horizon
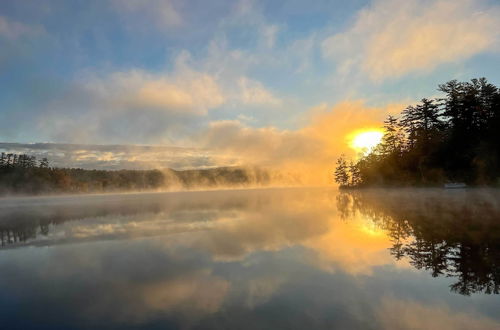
<point x="227" y="82"/>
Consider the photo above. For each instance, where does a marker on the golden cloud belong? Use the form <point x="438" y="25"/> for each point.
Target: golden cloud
<point x="309" y="152"/>
<point x="186" y="91"/>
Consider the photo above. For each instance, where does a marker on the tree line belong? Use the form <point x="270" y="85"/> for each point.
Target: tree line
<point x="25" y="174"/>
<point x="10" y="160"/>
<point x="454" y="138"/>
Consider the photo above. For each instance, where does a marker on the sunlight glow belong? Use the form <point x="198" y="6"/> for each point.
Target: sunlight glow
<point x="365" y="141"/>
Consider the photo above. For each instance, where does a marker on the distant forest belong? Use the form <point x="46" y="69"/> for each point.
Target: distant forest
<point x="455" y="138"/>
<point x="24" y="174"/>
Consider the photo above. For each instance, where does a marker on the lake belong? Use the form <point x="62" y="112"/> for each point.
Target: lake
<point x="252" y="259"/>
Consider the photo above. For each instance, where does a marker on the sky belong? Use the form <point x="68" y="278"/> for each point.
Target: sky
<point x="252" y="81"/>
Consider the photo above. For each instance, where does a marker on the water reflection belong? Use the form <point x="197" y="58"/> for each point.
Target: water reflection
<point x="232" y="223"/>
<point x="283" y="258"/>
<point x="454" y="234"/>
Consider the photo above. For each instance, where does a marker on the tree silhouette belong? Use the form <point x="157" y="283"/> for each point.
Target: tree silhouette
<point x="341" y="172"/>
<point x="452" y="138"/>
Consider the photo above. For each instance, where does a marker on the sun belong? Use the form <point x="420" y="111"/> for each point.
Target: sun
<point x="364" y="142"/>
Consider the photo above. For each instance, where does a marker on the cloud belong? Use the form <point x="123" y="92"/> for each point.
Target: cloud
<point x="161" y="12"/>
<point x="231" y="66"/>
<point x="392" y="38"/>
<point x="186" y="91"/>
<point x="156" y="107"/>
<point x="307" y="153"/>
<point x="310" y="150"/>
<point x="122" y="103"/>
<point x="265" y="146"/>
<point x="248" y="14"/>
<point x="14" y="30"/>
<point x="117" y="157"/>
<point x="159" y="107"/>
<point x="303" y="52"/>
<point x="253" y="92"/>
<point x="269" y="33"/>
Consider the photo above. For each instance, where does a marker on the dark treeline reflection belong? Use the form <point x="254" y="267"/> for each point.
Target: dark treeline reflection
<point x="452" y="234"/>
<point x="20" y="224"/>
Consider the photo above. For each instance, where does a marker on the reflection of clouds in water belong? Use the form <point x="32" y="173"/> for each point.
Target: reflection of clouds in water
<point x="232" y="225"/>
<point x="261" y="290"/>
<point x="310" y="221"/>
<point x="265" y="258"/>
<point x="122" y="282"/>
<point x="266" y="231"/>
<point x="199" y="293"/>
<point x="143" y="225"/>
<point x="404" y="314"/>
<point x="352" y="247"/>
<point x="263" y="225"/>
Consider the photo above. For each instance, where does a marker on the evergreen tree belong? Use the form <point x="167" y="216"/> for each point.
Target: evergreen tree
<point x="355" y="174"/>
<point x="453" y="138"/>
<point x="341" y="172"/>
<point x="44" y="163"/>
<point x="393" y="139"/>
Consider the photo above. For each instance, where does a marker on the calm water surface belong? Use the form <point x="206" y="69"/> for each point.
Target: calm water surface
<point x="254" y="259"/>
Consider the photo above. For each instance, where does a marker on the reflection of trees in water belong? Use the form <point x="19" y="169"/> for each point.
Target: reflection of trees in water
<point x="453" y="234"/>
<point x="20" y="226"/>
<point x="17" y="234"/>
<point x="22" y="223"/>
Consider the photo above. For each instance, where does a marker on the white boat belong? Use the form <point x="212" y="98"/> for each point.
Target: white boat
<point x="455" y="185"/>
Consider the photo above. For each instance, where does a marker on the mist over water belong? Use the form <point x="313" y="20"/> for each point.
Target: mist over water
<point x="260" y="258"/>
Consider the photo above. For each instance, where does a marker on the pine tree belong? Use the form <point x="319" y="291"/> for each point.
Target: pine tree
<point x="355" y="174"/>
<point x="341" y="172"/>
<point x="393" y="139"/>
<point x="44" y="163"/>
